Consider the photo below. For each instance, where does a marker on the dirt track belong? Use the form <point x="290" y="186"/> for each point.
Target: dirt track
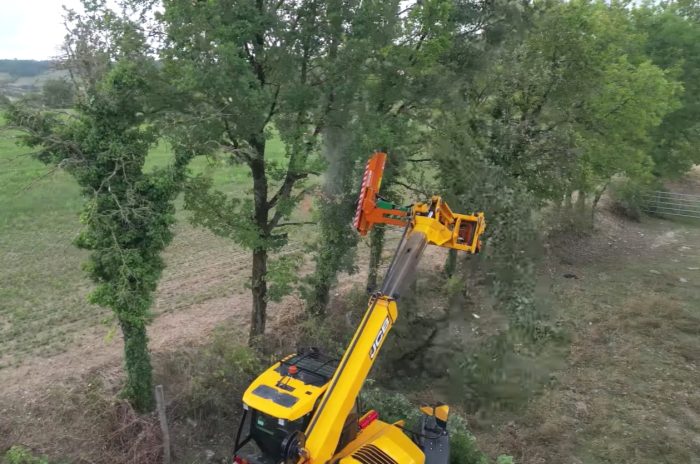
<point x="200" y="290"/>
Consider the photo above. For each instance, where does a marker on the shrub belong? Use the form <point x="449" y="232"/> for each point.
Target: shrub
<point x="628" y="198"/>
<point x="392" y="406"/>
<point x="463" y="450"/>
<point x="21" y="455"/>
<point x="220" y="376"/>
<point x="206" y="384"/>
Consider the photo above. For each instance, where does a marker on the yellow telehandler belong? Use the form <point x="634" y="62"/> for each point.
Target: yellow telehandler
<point x="304" y="409"/>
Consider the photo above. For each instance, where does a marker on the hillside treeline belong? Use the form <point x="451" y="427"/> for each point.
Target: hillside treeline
<point x="25" y="68"/>
<point x="506" y="107"/>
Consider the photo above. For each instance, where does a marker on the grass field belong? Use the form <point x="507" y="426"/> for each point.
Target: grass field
<point x="43" y="291"/>
<point x="628" y="391"/>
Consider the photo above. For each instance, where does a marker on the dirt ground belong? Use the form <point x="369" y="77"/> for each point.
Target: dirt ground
<point x="629" y="297"/>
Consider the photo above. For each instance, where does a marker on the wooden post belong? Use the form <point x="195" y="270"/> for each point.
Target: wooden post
<point x="160" y="404"/>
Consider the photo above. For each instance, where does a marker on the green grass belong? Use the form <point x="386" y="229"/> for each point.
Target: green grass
<point x="43" y="291"/>
<point x="629" y="391"/>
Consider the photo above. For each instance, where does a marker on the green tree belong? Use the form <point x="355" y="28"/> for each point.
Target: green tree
<point x="249" y="69"/>
<point x="128" y="212"/>
<point x="364" y="30"/>
<point x="57" y="93"/>
<point x="673" y="43"/>
<point x="572" y="103"/>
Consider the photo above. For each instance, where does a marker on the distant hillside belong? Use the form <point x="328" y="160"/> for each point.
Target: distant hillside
<point x="24" y="68"/>
<point x="21" y="77"/>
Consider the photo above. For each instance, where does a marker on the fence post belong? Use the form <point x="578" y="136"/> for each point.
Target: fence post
<point x="163" y="419"/>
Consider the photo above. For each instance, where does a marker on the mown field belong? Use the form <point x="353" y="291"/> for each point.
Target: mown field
<point x="628" y="391"/>
<point x="43" y="291"/>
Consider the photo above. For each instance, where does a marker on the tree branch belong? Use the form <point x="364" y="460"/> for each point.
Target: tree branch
<point x="406" y="186"/>
<point x="273" y="107"/>
<point x="300" y="223"/>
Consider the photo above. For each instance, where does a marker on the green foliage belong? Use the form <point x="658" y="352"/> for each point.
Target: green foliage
<point x="21" y="455"/>
<point x="567" y="105"/>
<point x="283" y="274"/>
<point x="225" y="216"/>
<point x="128" y="212"/>
<point x="628" y="197"/>
<point x="221" y="372"/>
<point x="284" y="59"/>
<point x="393" y="406"/>
<point x="333" y="250"/>
<point x="463" y="450"/>
<point x="672" y="42"/>
<point x="57" y="93"/>
<point x="510" y="233"/>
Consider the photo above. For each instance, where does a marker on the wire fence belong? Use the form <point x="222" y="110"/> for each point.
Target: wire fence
<point x="672" y="204"/>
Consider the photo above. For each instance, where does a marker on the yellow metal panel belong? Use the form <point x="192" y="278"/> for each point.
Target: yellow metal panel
<point x="387" y="437"/>
<point x="270" y="378"/>
<point x="435" y="232"/>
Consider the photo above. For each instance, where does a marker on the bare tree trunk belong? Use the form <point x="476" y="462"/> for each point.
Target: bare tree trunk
<point x="581" y="201"/>
<point x="375" y="255"/>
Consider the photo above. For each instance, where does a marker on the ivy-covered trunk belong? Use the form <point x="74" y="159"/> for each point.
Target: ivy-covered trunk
<point x="139" y="375"/>
<point x="320" y="298"/>
<point x="258" y="283"/>
<point x="337" y="241"/>
<point x="451" y="262"/>
<point x="128" y="211"/>
<point x="259" y="290"/>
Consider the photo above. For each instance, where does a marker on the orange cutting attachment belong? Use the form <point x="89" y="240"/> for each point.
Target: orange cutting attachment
<point x="371" y="209"/>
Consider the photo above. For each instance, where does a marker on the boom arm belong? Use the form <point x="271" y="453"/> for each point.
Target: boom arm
<point x="323" y="432"/>
<point x="431" y="223"/>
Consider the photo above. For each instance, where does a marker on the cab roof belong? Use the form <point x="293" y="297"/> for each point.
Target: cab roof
<point x="290" y="388"/>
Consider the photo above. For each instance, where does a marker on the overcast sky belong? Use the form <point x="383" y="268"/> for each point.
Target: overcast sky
<point x="32" y="29"/>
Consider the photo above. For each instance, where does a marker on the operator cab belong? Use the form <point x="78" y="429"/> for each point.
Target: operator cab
<point x="279" y="403"/>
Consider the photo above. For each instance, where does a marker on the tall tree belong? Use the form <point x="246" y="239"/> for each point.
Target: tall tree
<point x="128" y="212"/>
<point x="571" y="104"/>
<point x="252" y="69"/>
<point x="364" y="30"/>
<point x="673" y="43"/>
